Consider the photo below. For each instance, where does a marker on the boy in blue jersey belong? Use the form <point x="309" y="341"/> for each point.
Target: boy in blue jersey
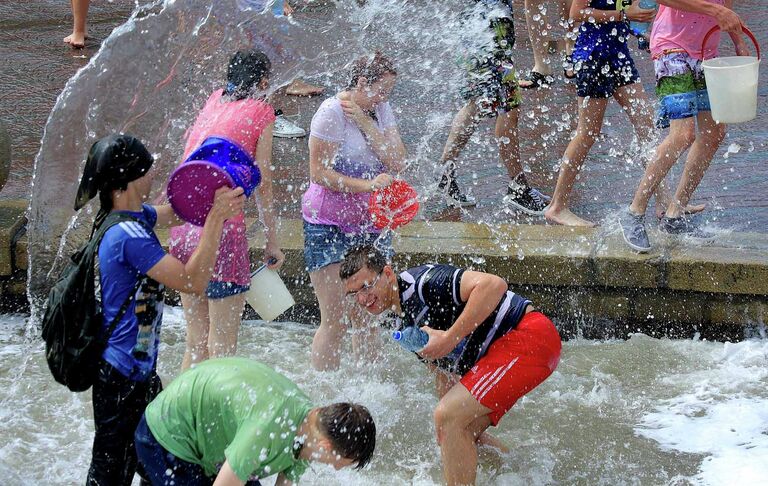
<point x="134" y="268"/>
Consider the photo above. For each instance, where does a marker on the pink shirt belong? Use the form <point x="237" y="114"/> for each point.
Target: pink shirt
<point x="678" y="29"/>
<point x="242" y="122"/>
<point x="354" y="158"/>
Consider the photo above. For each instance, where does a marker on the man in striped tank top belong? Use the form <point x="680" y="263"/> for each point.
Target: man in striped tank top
<point x="506" y="347"/>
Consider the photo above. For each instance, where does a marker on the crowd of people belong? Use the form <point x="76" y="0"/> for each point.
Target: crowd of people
<point x="228" y="420"/>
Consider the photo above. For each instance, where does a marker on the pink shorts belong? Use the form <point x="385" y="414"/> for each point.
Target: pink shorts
<point x="515" y="364"/>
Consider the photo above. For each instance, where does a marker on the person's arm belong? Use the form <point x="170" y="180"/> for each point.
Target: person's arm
<point x="742" y="48"/>
<point x="482" y="293"/>
<point x="227" y="476"/>
<point x="166" y="217"/>
<point x="321" y="154"/>
<point x="443" y="381"/>
<point x="273" y="256"/>
<point x="194" y="276"/>
<point x="726" y="18"/>
<point x="582" y="12"/>
<point x="387" y="145"/>
<point x="283" y="481"/>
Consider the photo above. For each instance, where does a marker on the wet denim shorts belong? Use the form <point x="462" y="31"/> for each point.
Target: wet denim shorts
<point x="221" y="290"/>
<point x="326" y="244"/>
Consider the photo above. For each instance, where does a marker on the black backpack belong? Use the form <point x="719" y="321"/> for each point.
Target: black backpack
<point x="72" y="324"/>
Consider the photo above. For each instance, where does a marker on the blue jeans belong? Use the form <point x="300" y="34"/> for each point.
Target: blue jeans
<point x="118" y="404"/>
<point x="162" y="468"/>
<point x="326" y="244"/>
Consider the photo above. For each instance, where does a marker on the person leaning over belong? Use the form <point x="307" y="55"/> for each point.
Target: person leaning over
<point x="500" y="347"/>
<point x="133" y="265"/>
<point x="233" y="421"/>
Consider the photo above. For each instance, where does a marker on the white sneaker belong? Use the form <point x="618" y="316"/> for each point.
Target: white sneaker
<point x="284" y="128"/>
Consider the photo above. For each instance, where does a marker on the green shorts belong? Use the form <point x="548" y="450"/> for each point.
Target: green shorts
<point x="491" y="80"/>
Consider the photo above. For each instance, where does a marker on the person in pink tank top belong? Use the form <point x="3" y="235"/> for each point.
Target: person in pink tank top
<point x="354" y="146"/>
<point x="676" y="45"/>
<point x="237" y="114"/>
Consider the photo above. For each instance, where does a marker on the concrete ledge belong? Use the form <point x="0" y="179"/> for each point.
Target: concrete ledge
<point x="586" y="278"/>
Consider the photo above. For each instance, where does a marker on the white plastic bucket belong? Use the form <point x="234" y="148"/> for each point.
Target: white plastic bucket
<point x="268" y="295"/>
<point x="732" y="84"/>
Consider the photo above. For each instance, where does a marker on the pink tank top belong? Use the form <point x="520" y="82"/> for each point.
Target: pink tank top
<point x="242" y="122"/>
<point x="676" y="29"/>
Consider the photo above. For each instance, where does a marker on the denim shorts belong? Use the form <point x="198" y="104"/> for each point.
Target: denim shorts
<point x="326" y="244"/>
<point x="222" y="290"/>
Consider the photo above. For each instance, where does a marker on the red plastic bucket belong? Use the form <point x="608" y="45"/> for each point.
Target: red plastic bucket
<point x="394" y="206"/>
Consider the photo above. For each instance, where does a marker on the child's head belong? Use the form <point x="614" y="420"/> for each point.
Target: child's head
<point x="247" y="69"/>
<point x="351" y="432"/>
<point x="113" y="162"/>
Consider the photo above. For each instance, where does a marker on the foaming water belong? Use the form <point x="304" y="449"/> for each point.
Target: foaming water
<point x="641" y="411"/>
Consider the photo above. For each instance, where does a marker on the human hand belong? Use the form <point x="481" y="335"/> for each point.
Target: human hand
<point x="727" y="20"/>
<point x="352" y="110"/>
<point x="742" y="48"/>
<point x="637" y="14"/>
<point x="381" y="181"/>
<point x="273" y="256"/>
<point x="440" y="344"/>
<point x="227" y="203"/>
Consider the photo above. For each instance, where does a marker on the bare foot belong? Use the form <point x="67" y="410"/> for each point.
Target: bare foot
<point x="300" y="87"/>
<point x="689" y="209"/>
<point x="487" y="439"/>
<point x="76" y="40"/>
<point x="566" y="218"/>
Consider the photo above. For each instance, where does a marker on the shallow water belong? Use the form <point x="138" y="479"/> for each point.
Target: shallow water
<point x="641" y="411"/>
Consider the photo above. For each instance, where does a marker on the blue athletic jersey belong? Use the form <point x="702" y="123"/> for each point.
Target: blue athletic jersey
<point x="127" y="252"/>
<point x="599" y="40"/>
<point x="430" y="296"/>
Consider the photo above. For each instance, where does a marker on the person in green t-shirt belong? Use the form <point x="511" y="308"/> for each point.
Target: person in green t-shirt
<point x="235" y="420"/>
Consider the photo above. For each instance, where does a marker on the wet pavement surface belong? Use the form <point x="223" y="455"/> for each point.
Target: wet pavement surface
<point x="36" y="65"/>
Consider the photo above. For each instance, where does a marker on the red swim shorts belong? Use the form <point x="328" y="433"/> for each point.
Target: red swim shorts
<point x="514" y="365"/>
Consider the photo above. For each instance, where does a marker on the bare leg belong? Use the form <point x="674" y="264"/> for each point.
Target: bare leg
<point x="299" y="87"/>
<point x="509" y="144"/>
<point x="681" y="136"/>
<point x="462" y="128"/>
<point x="326" y="344"/>
<point x="591" y="112"/>
<point x="196" y="314"/>
<point x="538" y="40"/>
<point x="226" y="315"/>
<point x="79" y="24"/>
<point x="366" y="342"/>
<point x="460" y="420"/>
<point x="708" y="139"/>
<point x="570" y="39"/>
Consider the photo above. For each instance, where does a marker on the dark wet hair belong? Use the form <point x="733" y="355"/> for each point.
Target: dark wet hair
<point x="351" y="430"/>
<point x="361" y="256"/>
<point x="372" y="68"/>
<point x="246" y="69"/>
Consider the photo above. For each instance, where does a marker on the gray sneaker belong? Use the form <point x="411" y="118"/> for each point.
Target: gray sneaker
<point x="683" y="226"/>
<point x="633" y="230"/>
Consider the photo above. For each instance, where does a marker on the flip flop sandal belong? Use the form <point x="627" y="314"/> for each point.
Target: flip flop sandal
<point x="537" y="80"/>
<point x="568" y="65"/>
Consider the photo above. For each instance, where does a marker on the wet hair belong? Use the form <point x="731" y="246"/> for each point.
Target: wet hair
<point x="351" y="430"/>
<point x="372" y="68"/>
<point x="246" y="69"/>
<point x="361" y="256"/>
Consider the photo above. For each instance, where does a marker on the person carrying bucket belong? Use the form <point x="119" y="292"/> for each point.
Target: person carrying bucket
<point x="676" y="46"/>
<point x="354" y="147"/>
<point x="235" y="118"/>
<point x="133" y="272"/>
<point x="487" y="345"/>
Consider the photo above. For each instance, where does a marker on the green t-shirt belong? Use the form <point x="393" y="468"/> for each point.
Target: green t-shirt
<point x="234" y="409"/>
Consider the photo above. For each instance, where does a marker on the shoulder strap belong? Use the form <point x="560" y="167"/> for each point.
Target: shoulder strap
<point x="121" y="312"/>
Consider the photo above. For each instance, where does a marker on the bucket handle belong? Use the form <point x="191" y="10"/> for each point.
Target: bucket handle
<point x="744" y="30"/>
